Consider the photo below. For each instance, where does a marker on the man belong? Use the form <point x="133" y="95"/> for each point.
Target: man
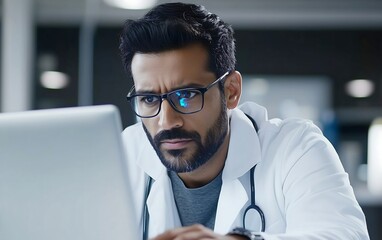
<point x="197" y="161"/>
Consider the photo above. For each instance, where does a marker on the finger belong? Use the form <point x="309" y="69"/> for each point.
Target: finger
<point x="196" y="231"/>
<point x="168" y="235"/>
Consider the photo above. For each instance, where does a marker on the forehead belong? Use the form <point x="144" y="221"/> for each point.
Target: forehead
<point x="169" y="68"/>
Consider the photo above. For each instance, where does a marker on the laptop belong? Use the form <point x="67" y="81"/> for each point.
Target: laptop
<point x="62" y="176"/>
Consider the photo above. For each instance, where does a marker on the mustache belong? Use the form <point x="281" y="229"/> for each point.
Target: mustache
<point x="175" y="133"/>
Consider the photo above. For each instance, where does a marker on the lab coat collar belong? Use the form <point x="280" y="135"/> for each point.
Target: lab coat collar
<point x="243" y="153"/>
<point x="244" y="146"/>
<point x="162" y="207"/>
<point x="149" y="161"/>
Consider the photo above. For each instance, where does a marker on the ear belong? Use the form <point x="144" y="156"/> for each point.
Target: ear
<point x="232" y="89"/>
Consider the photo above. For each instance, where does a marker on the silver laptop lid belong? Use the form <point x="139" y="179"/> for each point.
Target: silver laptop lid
<point x="62" y="176"/>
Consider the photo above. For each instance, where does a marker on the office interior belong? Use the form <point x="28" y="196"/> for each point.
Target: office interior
<point x="320" y="60"/>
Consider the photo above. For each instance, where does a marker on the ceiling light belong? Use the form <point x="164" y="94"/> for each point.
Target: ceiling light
<point x="131" y="4"/>
<point x="360" y="88"/>
<point x="54" y="80"/>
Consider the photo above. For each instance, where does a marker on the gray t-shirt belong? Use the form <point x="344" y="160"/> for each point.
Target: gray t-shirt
<point x="196" y="205"/>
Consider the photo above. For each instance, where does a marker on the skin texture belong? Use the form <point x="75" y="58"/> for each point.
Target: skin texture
<point x="187" y="67"/>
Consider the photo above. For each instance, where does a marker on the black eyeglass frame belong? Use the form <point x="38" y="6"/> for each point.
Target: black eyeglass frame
<point x="163" y="96"/>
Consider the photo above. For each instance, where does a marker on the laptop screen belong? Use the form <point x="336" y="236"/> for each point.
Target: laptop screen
<point x="62" y="176"/>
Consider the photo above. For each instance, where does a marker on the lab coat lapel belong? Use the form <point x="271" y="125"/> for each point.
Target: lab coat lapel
<point x="162" y="208"/>
<point x="232" y="199"/>
<point x="149" y="162"/>
<point x="243" y="153"/>
<point x="160" y="202"/>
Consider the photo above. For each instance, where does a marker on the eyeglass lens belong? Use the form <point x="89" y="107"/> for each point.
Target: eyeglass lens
<point x="184" y="101"/>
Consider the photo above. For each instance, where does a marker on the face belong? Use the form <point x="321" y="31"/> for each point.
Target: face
<point x="183" y="142"/>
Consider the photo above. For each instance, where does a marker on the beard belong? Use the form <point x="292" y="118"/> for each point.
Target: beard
<point x="187" y="160"/>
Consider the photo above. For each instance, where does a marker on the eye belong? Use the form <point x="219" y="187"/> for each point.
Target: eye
<point x="184" y="98"/>
<point x="149" y="99"/>
<point x="185" y="94"/>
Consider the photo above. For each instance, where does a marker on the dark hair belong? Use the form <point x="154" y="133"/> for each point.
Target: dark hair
<point x="175" y="25"/>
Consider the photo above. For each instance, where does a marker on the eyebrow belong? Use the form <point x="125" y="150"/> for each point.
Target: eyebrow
<point x="191" y="85"/>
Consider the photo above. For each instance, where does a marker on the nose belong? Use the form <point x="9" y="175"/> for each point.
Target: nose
<point x="168" y="117"/>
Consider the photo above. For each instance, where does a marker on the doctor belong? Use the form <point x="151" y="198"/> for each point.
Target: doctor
<point x="197" y="161"/>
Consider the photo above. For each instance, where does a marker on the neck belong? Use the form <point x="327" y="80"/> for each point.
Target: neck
<point x="208" y="171"/>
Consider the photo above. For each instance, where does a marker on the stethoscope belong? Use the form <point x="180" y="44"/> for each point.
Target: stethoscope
<point x="252" y="205"/>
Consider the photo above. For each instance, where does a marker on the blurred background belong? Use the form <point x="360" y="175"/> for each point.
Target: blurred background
<point x="320" y="60"/>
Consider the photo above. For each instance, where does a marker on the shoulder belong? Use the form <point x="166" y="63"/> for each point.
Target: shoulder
<point x="293" y="138"/>
<point x="299" y="152"/>
<point x="277" y="131"/>
<point x="296" y="134"/>
<point x="285" y="141"/>
<point x="292" y="129"/>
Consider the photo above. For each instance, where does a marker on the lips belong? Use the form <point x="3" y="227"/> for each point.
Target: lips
<point x="174" y="144"/>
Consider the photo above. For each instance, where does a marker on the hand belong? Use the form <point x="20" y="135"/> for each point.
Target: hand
<point x="194" y="232"/>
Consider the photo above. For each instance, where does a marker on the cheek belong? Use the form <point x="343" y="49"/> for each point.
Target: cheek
<point x="212" y="105"/>
<point x="205" y="119"/>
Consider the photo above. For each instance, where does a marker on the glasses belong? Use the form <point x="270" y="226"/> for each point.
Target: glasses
<point x="184" y="100"/>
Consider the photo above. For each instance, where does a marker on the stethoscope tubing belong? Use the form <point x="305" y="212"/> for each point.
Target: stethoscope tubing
<point x="253" y="201"/>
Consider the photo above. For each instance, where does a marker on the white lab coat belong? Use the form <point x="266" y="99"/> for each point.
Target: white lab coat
<point x="300" y="183"/>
